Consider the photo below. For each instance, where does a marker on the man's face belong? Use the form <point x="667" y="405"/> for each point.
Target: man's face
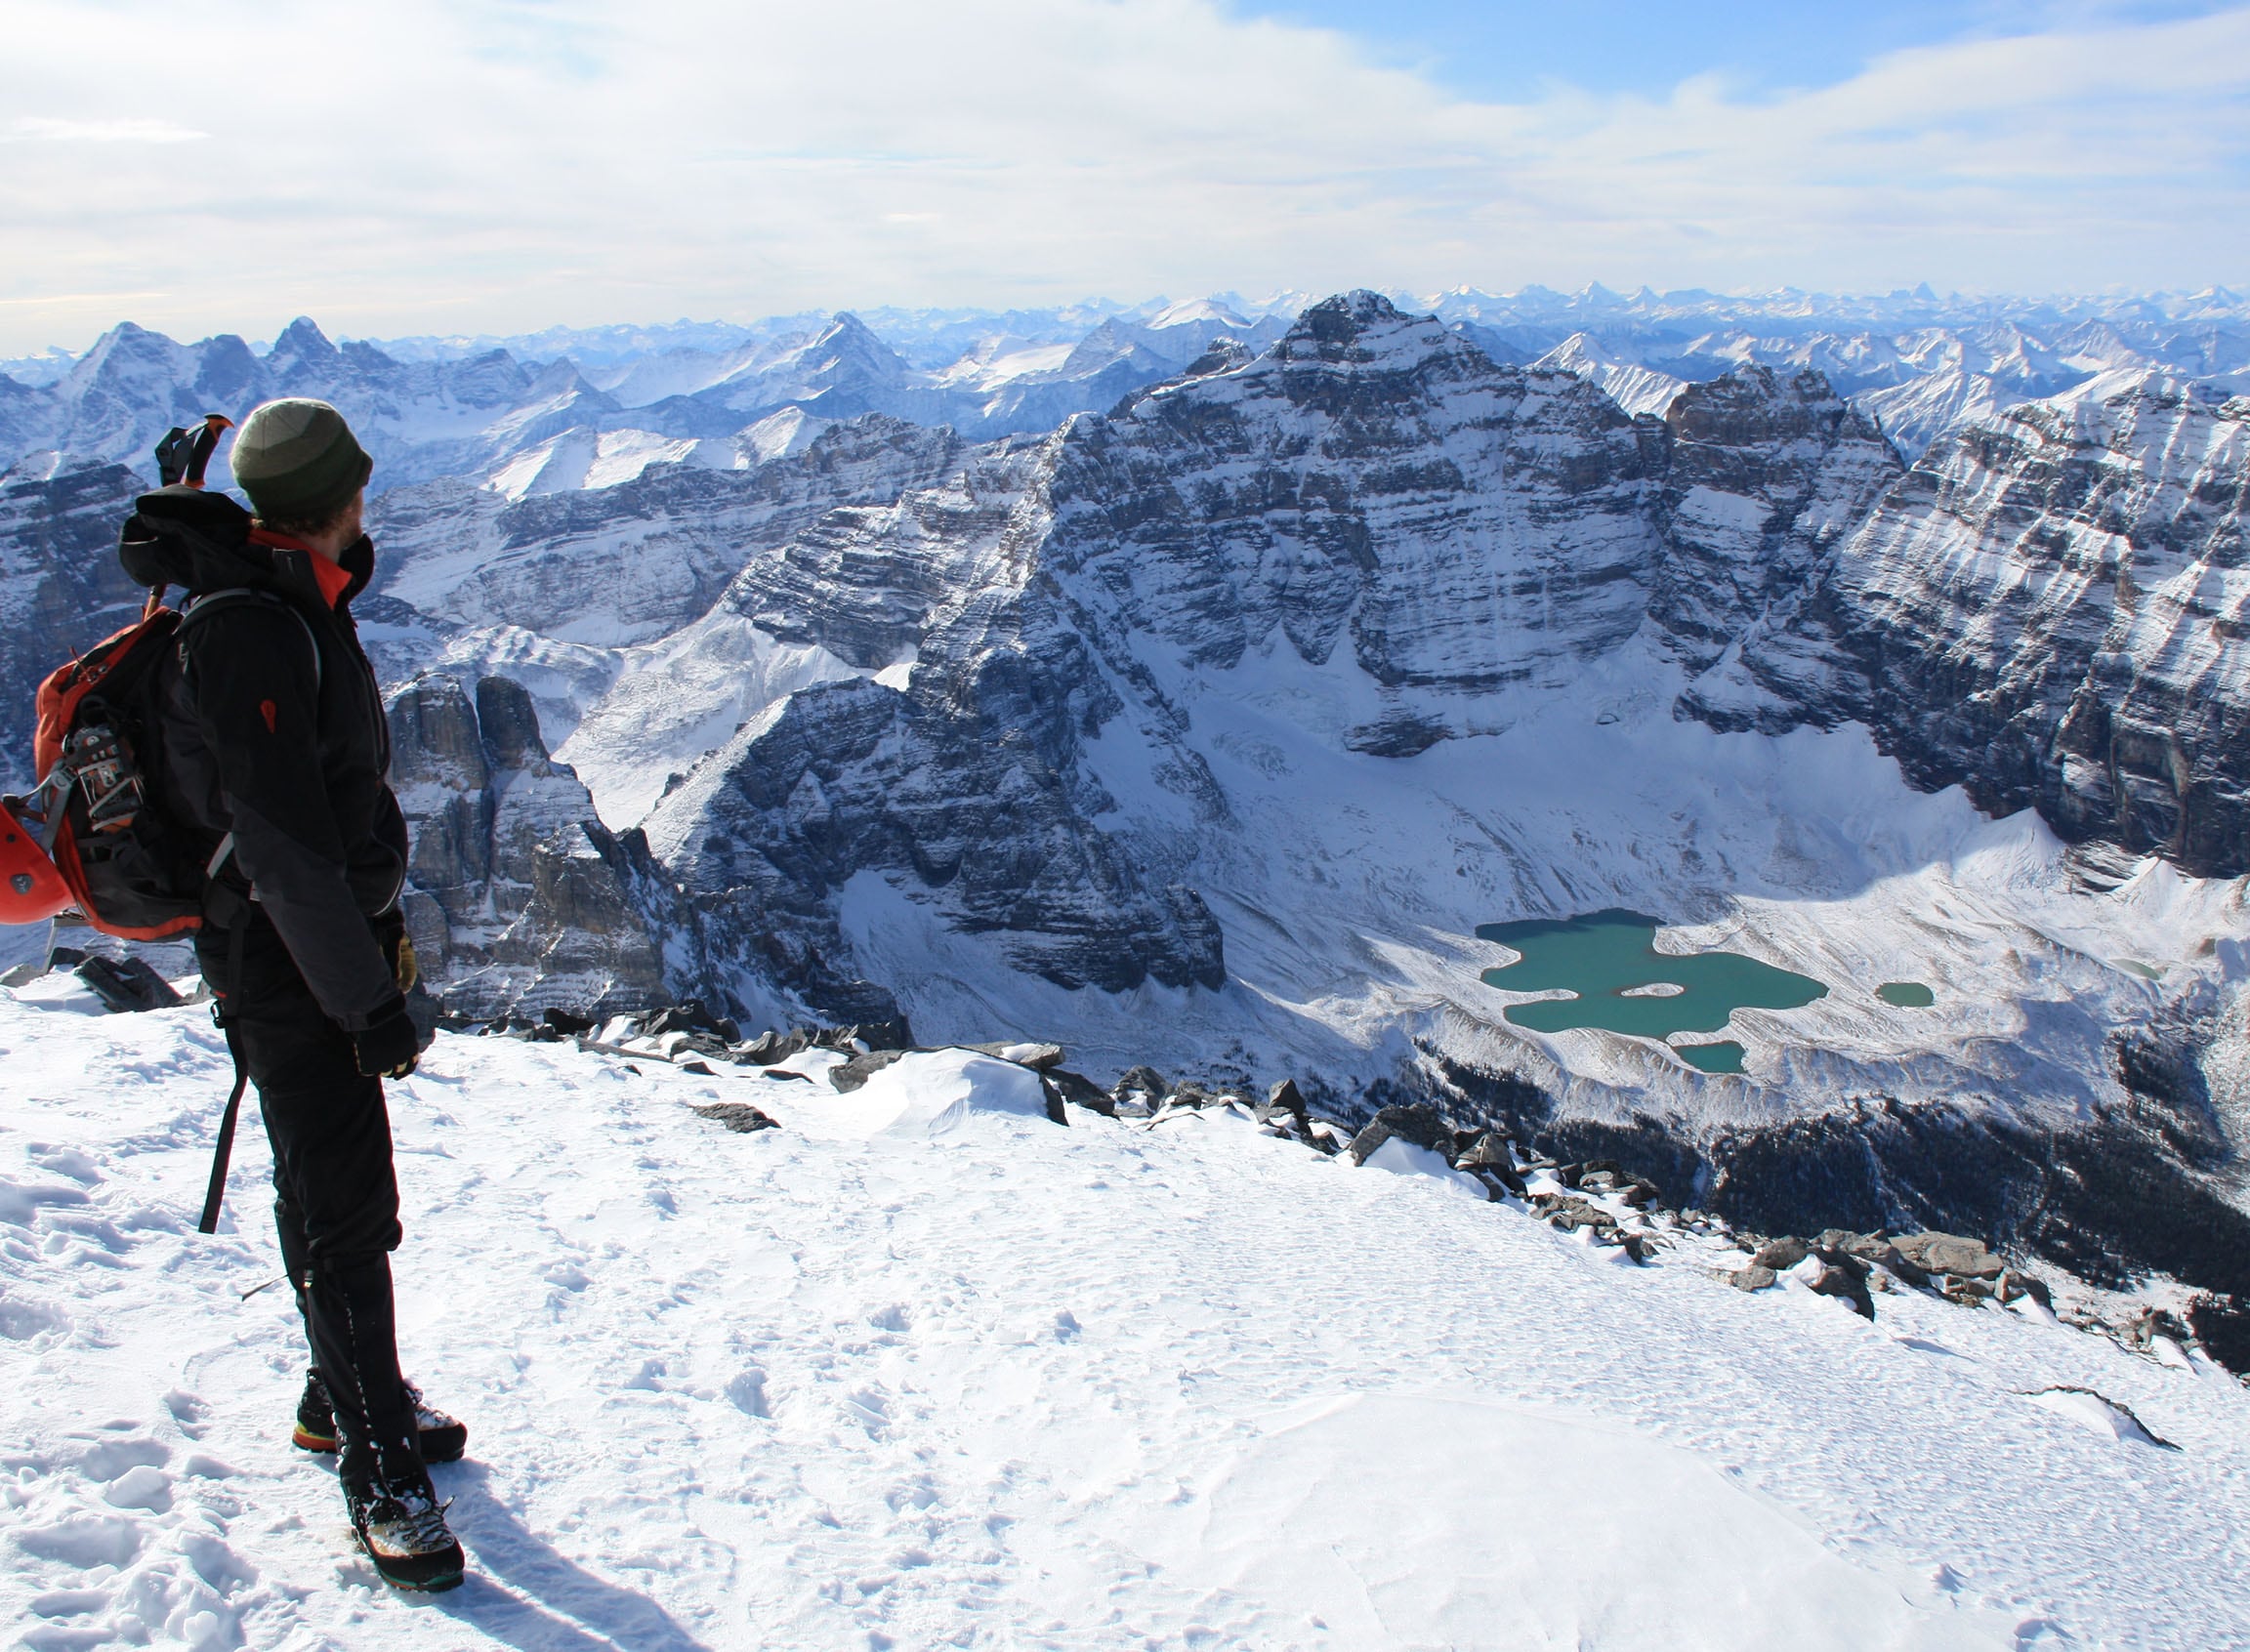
<point x="350" y="529"/>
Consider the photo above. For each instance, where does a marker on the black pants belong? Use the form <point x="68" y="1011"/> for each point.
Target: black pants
<point x="336" y="1199"/>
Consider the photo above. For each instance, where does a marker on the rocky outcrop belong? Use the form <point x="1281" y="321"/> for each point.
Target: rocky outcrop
<point x="514" y="888"/>
<point x="2048" y="612"/>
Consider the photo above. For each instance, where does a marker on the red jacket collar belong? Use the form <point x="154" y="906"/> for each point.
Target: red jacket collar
<point x="332" y="578"/>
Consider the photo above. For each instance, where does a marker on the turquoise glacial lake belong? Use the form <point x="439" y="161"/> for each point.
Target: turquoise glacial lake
<point x="1610" y="963"/>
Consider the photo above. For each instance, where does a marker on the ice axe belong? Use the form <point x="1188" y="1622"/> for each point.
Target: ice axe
<point x="182" y="454"/>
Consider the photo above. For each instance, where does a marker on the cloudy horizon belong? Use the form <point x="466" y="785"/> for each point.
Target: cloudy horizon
<point x="505" y="166"/>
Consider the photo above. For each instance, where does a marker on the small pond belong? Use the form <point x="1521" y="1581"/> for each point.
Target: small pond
<point x="1723" y="1056"/>
<point x="1621" y="982"/>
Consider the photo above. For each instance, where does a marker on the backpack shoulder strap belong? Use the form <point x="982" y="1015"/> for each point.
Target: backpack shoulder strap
<point x="194" y="608"/>
<point x="234" y="596"/>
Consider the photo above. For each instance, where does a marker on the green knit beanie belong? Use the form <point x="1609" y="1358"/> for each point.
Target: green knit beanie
<point x="297" y="460"/>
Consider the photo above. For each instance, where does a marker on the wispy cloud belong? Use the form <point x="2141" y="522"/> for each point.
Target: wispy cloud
<point x="586" y="159"/>
<point x="39" y="129"/>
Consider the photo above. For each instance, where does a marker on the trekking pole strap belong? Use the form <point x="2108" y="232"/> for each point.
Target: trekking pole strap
<point x="215" y="1195"/>
<point x="224" y="1013"/>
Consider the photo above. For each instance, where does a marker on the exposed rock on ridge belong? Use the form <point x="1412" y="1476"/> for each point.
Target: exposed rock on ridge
<point x="1763" y="475"/>
<point x="512" y="883"/>
<point x="2050" y="611"/>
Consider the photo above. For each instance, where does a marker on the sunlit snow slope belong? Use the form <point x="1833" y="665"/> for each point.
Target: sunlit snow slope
<point x="920" y="1368"/>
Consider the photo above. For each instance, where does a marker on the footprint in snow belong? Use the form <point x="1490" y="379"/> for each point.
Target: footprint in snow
<point x="71" y="1162"/>
<point x="144" y="1487"/>
<point x="748" y="1392"/>
<point x="109" y="1460"/>
<point x="1922" y="1345"/>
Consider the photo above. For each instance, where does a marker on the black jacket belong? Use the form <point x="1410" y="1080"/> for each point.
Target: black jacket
<point x="290" y="760"/>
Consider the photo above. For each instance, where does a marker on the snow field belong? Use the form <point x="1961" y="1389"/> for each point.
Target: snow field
<point x="919" y="1369"/>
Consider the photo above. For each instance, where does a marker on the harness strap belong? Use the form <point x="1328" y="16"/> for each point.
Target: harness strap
<point x="222" y="1012"/>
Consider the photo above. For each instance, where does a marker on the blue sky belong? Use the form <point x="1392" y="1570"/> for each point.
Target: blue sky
<point x="1511" y="51"/>
<point x="506" y="165"/>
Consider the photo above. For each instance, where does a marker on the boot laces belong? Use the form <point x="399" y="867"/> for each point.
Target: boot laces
<point x="426" y="1415"/>
<point x="411" y="1521"/>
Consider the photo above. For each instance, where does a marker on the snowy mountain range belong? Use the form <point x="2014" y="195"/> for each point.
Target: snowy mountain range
<point x="1194" y="688"/>
<point x="618" y="397"/>
<point x="528" y="424"/>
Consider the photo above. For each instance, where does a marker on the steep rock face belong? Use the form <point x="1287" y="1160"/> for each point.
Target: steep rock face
<point x="964" y="788"/>
<point x="2048" y="612"/>
<point x="513" y="883"/>
<point x="1765" y="472"/>
<point x="1372" y="484"/>
<point x="61" y="589"/>
<point x="867" y="581"/>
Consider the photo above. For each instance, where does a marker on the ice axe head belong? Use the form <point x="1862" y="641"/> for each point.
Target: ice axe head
<point x="182" y="454"/>
<point x="32" y="889"/>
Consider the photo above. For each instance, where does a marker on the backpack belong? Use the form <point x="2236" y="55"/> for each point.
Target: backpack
<point x="126" y="864"/>
<point x="94" y="833"/>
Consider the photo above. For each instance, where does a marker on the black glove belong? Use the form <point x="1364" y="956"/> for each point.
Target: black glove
<point x="388" y="1048"/>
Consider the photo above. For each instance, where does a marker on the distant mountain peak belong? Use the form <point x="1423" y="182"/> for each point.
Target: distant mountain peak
<point x="302" y="348"/>
<point x="304" y="337"/>
<point x="1336" y="323"/>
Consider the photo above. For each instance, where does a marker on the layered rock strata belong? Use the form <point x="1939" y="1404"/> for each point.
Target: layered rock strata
<point x="513" y="883"/>
<point x="2050" y="611"/>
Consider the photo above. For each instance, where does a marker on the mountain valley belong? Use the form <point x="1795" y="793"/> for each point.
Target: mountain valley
<point x="1194" y="690"/>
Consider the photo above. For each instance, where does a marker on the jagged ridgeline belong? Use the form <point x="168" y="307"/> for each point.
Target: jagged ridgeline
<point x="1207" y="730"/>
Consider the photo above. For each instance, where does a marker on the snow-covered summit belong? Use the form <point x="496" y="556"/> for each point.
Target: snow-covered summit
<point x="919" y="1366"/>
<point x="1633" y="387"/>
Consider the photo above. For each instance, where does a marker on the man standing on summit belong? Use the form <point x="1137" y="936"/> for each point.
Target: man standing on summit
<point x="276" y="744"/>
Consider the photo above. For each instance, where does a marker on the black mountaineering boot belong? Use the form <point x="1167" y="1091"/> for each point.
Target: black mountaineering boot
<point x="402" y="1525"/>
<point x="442" y="1438"/>
<point x="315" y="1417"/>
